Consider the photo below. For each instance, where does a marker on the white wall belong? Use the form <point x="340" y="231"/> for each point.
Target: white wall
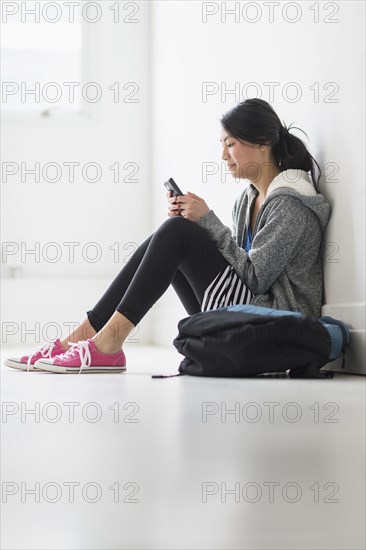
<point x="188" y="52"/>
<point x="104" y="212"/>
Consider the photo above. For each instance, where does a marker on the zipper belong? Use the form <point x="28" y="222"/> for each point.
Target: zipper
<point x="257" y="221"/>
<point x="266" y="201"/>
<point x="246" y="224"/>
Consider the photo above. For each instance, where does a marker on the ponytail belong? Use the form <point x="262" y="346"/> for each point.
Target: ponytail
<point x="291" y="152"/>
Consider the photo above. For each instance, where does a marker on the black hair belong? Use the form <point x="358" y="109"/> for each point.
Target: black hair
<point x="254" y="120"/>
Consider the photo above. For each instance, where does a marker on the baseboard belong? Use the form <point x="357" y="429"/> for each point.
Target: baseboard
<point x="353" y="315"/>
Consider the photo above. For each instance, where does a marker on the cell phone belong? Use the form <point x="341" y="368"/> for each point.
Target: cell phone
<point x="173" y="187"/>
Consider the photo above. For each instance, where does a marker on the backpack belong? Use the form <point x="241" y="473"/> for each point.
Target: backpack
<point x="247" y="340"/>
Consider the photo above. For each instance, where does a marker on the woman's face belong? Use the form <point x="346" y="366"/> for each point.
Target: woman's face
<point x="244" y="160"/>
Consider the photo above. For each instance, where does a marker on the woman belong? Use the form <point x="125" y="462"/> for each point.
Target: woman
<point x="272" y="256"/>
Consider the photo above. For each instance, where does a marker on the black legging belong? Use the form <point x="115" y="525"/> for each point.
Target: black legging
<point x="180" y="253"/>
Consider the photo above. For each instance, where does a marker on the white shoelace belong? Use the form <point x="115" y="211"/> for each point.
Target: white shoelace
<point x="82" y="347"/>
<point x="45" y="351"/>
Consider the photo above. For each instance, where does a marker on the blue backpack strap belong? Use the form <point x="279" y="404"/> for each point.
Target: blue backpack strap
<point x="339" y="336"/>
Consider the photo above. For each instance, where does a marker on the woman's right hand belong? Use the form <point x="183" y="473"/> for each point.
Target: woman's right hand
<point x="173" y="210"/>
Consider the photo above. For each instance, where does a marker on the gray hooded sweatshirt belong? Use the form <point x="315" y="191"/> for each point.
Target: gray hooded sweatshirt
<point x="284" y="268"/>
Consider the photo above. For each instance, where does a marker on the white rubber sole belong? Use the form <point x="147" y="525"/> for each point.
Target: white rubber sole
<point x="75" y="370"/>
<point x="16" y="364"/>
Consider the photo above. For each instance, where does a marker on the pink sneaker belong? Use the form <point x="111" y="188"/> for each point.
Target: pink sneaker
<point x="84" y="357"/>
<point x="26" y="362"/>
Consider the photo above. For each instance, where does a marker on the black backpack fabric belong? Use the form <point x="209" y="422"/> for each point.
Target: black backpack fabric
<point x="239" y="342"/>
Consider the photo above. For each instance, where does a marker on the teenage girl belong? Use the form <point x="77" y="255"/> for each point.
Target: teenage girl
<point x="271" y="255"/>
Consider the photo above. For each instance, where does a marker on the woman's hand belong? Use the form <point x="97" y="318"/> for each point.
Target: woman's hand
<point x="173" y="209"/>
<point x="191" y="206"/>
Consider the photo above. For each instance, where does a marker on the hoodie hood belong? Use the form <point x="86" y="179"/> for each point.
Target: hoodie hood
<point x="298" y="184"/>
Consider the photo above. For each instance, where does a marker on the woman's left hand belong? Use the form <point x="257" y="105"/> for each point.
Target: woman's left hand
<point x="191" y="206"/>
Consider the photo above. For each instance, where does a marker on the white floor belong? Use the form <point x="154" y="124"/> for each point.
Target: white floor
<point x="137" y="467"/>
